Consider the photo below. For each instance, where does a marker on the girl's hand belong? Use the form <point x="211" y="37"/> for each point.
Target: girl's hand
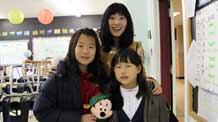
<point x="157" y="88"/>
<point x="52" y="71"/>
<point x="88" y="118"/>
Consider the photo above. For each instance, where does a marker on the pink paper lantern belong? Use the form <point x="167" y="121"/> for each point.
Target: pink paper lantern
<point x="45" y="16"/>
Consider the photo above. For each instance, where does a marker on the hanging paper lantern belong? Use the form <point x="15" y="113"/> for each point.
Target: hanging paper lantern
<point x="15" y="16"/>
<point x="45" y="16"/>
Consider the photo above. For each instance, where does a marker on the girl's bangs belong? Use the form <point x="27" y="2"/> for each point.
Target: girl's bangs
<point x="122" y="59"/>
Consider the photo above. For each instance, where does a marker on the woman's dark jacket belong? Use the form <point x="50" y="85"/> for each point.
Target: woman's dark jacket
<point x="59" y="99"/>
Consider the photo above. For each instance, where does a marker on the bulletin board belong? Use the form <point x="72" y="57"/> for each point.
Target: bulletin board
<point x="52" y="47"/>
<point x="12" y="51"/>
<point x="203" y="64"/>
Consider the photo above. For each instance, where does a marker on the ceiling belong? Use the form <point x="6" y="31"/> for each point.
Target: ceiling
<point x="31" y="8"/>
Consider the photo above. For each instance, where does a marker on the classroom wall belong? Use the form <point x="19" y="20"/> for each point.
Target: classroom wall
<point x="140" y="21"/>
<point x="146" y="26"/>
<point x="138" y="11"/>
<point x="61" y="26"/>
<point x="32" y="24"/>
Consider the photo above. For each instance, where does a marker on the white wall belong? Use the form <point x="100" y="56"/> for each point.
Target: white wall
<point x="145" y="18"/>
<point x="138" y="11"/>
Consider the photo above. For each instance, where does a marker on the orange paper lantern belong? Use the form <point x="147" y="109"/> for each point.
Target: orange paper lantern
<point x="45" y="16"/>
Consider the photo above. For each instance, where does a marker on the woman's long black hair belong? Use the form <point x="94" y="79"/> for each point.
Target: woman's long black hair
<point x="107" y="39"/>
<point x="127" y="55"/>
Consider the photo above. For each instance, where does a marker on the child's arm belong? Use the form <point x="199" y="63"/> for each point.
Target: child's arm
<point x="45" y="109"/>
<point x="88" y="118"/>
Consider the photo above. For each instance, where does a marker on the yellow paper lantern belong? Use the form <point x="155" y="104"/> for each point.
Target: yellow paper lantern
<point x="15" y="16"/>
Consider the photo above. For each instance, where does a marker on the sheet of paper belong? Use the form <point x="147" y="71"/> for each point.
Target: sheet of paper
<point x="207" y="35"/>
<point x="52" y="47"/>
<point x="208" y="105"/>
<point x="194" y="63"/>
<point x="190" y="7"/>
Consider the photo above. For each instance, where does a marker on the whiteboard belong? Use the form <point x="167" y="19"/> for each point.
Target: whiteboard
<point x="54" y="47"/>
<point x="12" y="51"/>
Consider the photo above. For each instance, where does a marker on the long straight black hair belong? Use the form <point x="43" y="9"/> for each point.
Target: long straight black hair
<point x="72" y="66"/>
<point x="106" y="38"/>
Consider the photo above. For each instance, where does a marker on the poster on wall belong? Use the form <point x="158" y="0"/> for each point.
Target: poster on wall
<point x="50" y="47"/>
<point x="194" y="63"/>
<point x="12" y="51"/>
<point x="207" y="36"/>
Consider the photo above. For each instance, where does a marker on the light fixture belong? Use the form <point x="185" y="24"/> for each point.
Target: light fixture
<point x="176" y="13"/>
<point x="67" y="7"/>
<point x="78" y="13"/>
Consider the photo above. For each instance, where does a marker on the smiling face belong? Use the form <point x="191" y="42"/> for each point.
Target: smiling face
<point x="117" y="24"/>
<point x="85" y="50"/>
<point x="126" y="74"/>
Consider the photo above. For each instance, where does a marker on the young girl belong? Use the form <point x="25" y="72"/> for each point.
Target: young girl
<point x="65" y="96"/>
<point x="131" y="96"/>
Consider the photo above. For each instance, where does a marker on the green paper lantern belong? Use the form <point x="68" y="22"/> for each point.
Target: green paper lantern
<point x="15" y="16"/>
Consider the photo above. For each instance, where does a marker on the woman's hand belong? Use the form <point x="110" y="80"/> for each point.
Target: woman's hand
<point x="157" y="88"/>
<point x="140" y="52"/>
<point x="52" y="71"/>
<point x="88" y="118"/>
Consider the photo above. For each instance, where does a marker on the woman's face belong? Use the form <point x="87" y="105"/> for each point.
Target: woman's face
<point x="117" y="24"/>
<point x="85" y="50"/>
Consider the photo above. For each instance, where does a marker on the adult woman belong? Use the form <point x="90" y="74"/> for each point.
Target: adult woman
<point x="117" y="32"/>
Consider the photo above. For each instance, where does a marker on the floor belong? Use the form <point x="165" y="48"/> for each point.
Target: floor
<point x="180" y="99"/>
